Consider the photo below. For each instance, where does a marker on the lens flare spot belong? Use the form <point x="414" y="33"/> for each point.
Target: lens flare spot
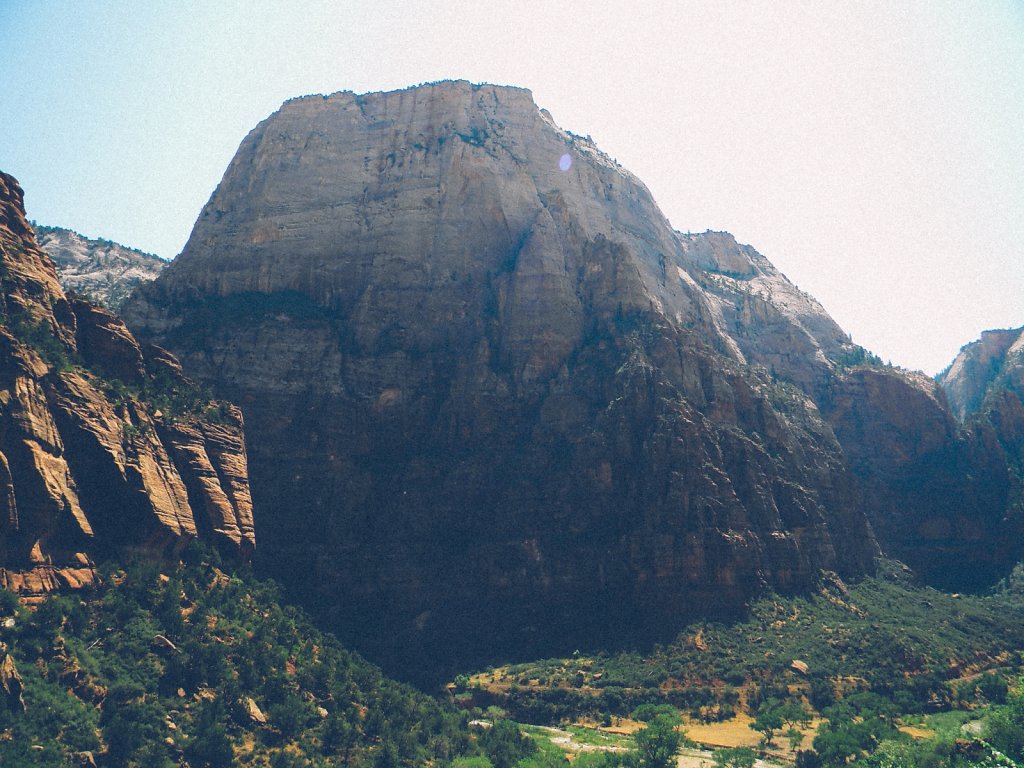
<point x="565" y="162"/>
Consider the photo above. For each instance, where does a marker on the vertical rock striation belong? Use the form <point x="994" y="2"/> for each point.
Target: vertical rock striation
<point x="994" y="362"/>
<point x="985" y="388"/>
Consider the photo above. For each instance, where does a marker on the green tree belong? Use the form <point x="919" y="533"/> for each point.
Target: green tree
<point x="768" y="720"/>
<point x="793" y="714"/>
<point x="290" y="715"/>
<point x="822" y="693"/>
<point x="210" y="746"/>
<point x="903" y="753"/>
<point x="1004" y="727"/>
<point x="658" y="743"/>
<point x="841" y="740"/>
<point x="605" y="760"/>
<point x="130" y="721"/>
<point x="647" y="712"/>
<point x="505" y="745"/>
<point x="338" y="736"/>
<point x="993" y="687"/>
<point x="737" y="757"/>
<point x="795" y="738"/>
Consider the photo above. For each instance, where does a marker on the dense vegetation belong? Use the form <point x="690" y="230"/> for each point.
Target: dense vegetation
<point x="193" y="666"/>
<point x="189" y="666"/>
<point x="916" y="646"/>
<point x="865" y="658"/>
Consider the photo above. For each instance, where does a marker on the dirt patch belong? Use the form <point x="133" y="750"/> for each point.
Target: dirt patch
<point x="621" y="726"/>
<point x="731" y="733"/>
<point x="702" y="758"/>
<point x="738" y="733"/>
<point x="917" y="733"/>
<point x="567" y="741"/>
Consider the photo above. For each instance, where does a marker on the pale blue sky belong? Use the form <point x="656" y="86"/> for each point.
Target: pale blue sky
<point x="874" y="151"/>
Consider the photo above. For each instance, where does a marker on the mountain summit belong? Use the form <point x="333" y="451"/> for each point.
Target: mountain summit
<point x="493" y="399"/>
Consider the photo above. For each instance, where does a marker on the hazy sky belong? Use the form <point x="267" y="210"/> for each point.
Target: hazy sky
<point x="874" y="151"/>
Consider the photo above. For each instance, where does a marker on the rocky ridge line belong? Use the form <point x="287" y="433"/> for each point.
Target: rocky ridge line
<point x="996" y="360"/>
<point x="101" y="270"/>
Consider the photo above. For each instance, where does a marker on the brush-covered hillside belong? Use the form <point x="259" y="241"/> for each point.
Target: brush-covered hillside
<point x="191" y="666"/>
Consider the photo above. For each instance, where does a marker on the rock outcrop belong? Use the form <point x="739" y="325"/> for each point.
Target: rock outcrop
<point x="101" y="450"/>
<point x="11" y="686"/>
<point x="938" y="495"/>
<point x="491" y="396"/>
<point x="101" y="270"/>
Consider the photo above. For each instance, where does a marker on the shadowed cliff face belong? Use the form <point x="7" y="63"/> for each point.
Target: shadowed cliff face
<point x="985" y="388"/>
<point x="490" y="402"/>
<point x="939" y="496"/>
<point x="87" y="466"/>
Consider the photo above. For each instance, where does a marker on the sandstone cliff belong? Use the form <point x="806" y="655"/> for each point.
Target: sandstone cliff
<point x="491" y="396"/>
<point x="104" y="446"/>
<point x="101" y="270"/>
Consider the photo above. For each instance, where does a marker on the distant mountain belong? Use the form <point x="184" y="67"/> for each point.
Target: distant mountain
<point x="993" y="362"/>
<point x="985" y="388"/>
<point x="105" y="446"/>
<point x="101" y="270"/>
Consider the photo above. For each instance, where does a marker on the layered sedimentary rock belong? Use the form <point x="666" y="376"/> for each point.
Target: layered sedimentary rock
<point x="491" y="396"/>
<point x="89" y="464"/>
<point x="104" y="271"/>
<point x="493" y="399"/>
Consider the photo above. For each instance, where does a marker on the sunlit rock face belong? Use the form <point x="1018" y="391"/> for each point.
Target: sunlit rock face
<point x="495" y="403"/>
<point x="993" y="362"/>
<point x="87" y="466"/>
<point x="101" y="270"/>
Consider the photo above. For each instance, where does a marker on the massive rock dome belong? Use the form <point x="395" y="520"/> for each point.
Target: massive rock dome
<point x="494" y="401"/>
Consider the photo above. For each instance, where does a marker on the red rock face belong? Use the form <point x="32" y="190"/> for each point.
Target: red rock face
<point x="87" y="466"/>
<point x="493" y="404"/>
